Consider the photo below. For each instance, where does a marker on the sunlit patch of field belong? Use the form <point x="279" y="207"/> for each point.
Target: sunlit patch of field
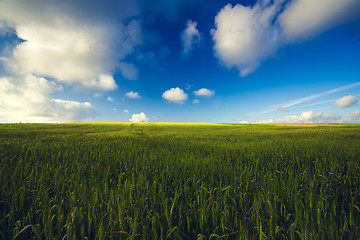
<point x="179" y="181"/>
<point x="309" y="124"/>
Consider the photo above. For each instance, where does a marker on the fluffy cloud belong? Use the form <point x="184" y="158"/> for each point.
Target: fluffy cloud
<point x="302" y="19"/>
<point x="311" y="117"/>
<point x="110" y="99"/>
<point x="71" y="110"/>
<point x="103" y="83"/>
<point x="353" y="117"/>
<point x="68" y="43"/>
<point x="27" y="100"/>
<point x="245" y="36"/>
<point x="204" y="92"/>
<point x="71" y="44"/>
<point x="141" y="117"/>
<point x="196" y="101"/>
<point x="175" y="95"/>
<point x="189" y="37"/>
<point x="126" y="111"/>
<point x="346" y="101"/>
<point x="134" y="95"/>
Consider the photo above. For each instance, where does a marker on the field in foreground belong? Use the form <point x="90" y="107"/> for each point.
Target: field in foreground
<point x="179" y="181"/>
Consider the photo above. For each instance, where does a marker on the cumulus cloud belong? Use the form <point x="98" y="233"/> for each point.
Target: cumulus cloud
<point x="71" y="44"/>
<point x="141" y="117"/>
<point x="71" y="110"/>
<point x="110" y="99"/>
<point x="68" y="43"/>
<point x="353" y="117"/>
<point x="303" y="19"/>
<point x="190" y="37"/>
<point x="28" y="100"/>
<point x="204" y="92"/>
<point x="133" y="95"/>
<point x="320" y="117"/>
<point x="196" y="101"/>
<point x="244" y="36"/>
<point x="346" y="101"/>
<point x="175" y="95"/>
<point x="102" y="83"/>
<point x="126" y="111"/>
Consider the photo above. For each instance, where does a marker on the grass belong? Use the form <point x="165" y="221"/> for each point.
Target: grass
<point x="179" y="181"/>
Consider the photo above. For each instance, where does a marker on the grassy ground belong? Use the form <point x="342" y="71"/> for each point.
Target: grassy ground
<point x="179" y="181"/>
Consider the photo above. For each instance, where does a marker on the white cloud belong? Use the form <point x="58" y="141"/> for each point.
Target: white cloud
<point x="103" y="83"/>
<point x="110" y="99"/>
<point x="307" y="99"/>
<point x="134" y="95"/>
<point x="129" y="71"/>
<point x="196" y="101"/>
<point x="28" y="100"/>
<point x="244" y="122"/>
<point x="245" y="36"/>
<point x="303" y="19"/>
<point x="175" y="95"/>
<point x="71" y="110"/>
<point x="353" y="117"/>
<point x="126" y="111"/>
<point x="311" y="117"/>
<point x="75" y="45"/>
<point x="346" y="101"/>
<point x="70" y="44"/>
<point x="190" y="36"/>
<point x="306" y="117"/>
<point x="204" y="92"/>
<point x="141" y="117"/>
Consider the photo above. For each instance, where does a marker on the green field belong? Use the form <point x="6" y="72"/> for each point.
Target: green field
<point x="179" y="181"/>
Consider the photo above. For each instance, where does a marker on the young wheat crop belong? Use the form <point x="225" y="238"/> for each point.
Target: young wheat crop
<point x="179" y="181"/>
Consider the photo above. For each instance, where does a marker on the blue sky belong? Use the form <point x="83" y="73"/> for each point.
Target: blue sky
<point x="180" y="61"/>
